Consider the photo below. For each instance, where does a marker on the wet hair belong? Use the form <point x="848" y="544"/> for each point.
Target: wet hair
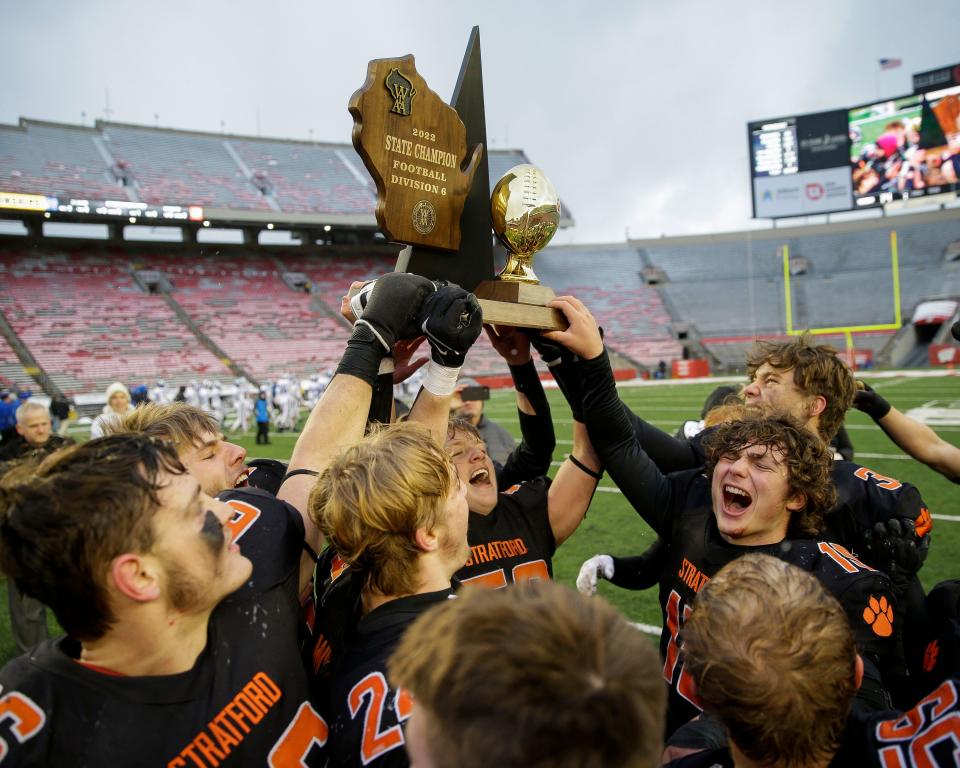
<point x="373" y="497"/>
<point x="181" y="424"/>
<point x="64" y="519"/>
<point x="565" y="675"/>
<point x="817" y="371"/>
<point x="774" y="658"/>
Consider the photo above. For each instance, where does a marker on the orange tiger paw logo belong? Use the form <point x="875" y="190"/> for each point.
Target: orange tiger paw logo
<point x="879" y="615"/>
<point x="930" y="656"/>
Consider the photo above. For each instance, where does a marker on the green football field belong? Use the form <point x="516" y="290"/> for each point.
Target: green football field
<point x="613" y="527"/>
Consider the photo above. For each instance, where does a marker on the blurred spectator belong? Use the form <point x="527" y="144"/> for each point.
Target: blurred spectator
<point x="28" y="617"/>
<point x="118" y="405"/>
<point x="60" y="413"/>
<point x="262" y="408"/>
<point x="34" y="432"/>
<point x="181" y="396"/>
<point x="138" y="395"/>
<point x="8" y="416"/>
<point x="499" y="442"/>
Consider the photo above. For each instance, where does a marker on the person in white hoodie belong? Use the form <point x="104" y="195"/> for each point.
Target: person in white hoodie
<point x="118" y="405"/>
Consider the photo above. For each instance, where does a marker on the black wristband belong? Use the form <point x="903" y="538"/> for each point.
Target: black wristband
<point x="362" y="356"/>
<point x="584" y="468"/>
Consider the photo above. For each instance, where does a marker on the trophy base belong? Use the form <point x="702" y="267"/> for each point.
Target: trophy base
<point x="519" y="304"/>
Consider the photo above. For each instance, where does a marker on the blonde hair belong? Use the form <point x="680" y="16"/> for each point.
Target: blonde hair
<point x="774" y="658"/>
<point x="371" y="499"/>
<point x="181" y="424"/>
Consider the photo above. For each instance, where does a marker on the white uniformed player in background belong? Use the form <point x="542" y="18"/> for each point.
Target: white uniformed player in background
<point x="159" y="393"/>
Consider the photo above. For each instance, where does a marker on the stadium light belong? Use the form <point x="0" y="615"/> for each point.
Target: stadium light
<point x="206" y="223"/>
<point x="132" y="219"/>
<point x="269" y="226"/>
<point x="327" y="227"/>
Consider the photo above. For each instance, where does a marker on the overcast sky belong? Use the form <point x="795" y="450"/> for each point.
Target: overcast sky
<point x="636" y="111"/>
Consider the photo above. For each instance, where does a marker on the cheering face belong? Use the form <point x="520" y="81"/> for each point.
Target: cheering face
<point x="200" y="562"/>
<point x="475" y="470"/>
<point x="750" y="497"/>
<point x="217" y="464"/>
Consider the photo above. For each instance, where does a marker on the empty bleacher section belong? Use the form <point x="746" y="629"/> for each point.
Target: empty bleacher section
<point x="306" y="178"/>
<point x="731" y="286"/>
<point x="242" y="303"/>
<point x="12" y="375"/>
<point x="88" y="324"/>
<point x="182" y="169"/>
<point x="607" y="278"/>
<point x="55" y="160"/>
<point x="158" y="166"/>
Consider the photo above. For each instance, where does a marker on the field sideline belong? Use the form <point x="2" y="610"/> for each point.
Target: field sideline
<point x="613" y="527"/>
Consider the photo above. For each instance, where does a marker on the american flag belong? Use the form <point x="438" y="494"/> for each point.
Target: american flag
<point x="890" y="63"/>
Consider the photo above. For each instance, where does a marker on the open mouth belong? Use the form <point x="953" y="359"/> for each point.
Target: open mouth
<point x="735" y="500"/>
<point x="479" y="477"/>
<point x="242" y="479"/>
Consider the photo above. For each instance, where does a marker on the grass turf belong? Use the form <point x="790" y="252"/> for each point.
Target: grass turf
<point x="613" y="527"/>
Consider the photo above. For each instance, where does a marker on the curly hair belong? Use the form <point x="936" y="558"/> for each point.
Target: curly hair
<point x="816" y="371"/>
<point x="807" y="458"/>
<point x="757" y="630"/>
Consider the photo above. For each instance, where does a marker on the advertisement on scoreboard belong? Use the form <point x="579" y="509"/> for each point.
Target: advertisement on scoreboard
<point x="905" y="147"/>
<point x="799" y="165"/>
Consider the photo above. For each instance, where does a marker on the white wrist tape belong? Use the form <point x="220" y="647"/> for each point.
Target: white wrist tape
<point x="386" y="366"/>
<point x="440" y="380"/>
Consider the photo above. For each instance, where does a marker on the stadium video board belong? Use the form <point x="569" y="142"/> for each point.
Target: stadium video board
<point x="799" y="165"/>
<point x="905" y="147"/>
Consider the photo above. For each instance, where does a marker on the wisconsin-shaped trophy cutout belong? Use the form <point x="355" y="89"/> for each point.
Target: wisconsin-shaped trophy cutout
<point x="525" y="214"/>
<point x="414" y="146"/>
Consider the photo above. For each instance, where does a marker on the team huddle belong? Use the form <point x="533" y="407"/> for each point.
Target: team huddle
<point x="386" y="597"/>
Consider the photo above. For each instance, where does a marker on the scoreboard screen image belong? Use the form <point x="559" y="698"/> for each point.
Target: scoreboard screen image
<point x="799" y="165"/>
<point x="905" y="147"/>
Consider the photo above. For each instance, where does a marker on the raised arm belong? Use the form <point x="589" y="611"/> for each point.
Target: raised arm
<point x="340" y="416"/>
<point x="915" y="438"/>
<point x="572" y="489"/>
<point x="609" y="428"/>
<point x="537" y="439"/>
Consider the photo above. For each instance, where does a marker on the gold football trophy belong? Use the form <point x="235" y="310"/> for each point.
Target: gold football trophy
<point x="525" y="212"/>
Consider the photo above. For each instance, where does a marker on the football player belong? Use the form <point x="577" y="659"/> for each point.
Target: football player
<point x="532" y="675"/>
<point x="767" y="486"/>
<point x="772" y="657"/>
<point x="179" y="650"/>
<point x="518" y="517"/>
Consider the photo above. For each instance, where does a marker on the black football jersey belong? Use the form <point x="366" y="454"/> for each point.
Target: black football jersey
<point x="366" y="713"/>
<point x="514" y="542"/>
<point x="625" y="443"/>
<point x="926" y="736"/>
<point x="696" y="552"/>
<point x="244" y="702"/>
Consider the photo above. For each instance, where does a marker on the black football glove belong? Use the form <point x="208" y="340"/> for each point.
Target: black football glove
<point x="394" y="306"/>
<point x="451" y="320"/>
<point x="870" y="402"/>
<point x="893" y="547"/>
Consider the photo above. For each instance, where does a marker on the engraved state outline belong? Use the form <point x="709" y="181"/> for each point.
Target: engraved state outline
<point x="459" y="186"/>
